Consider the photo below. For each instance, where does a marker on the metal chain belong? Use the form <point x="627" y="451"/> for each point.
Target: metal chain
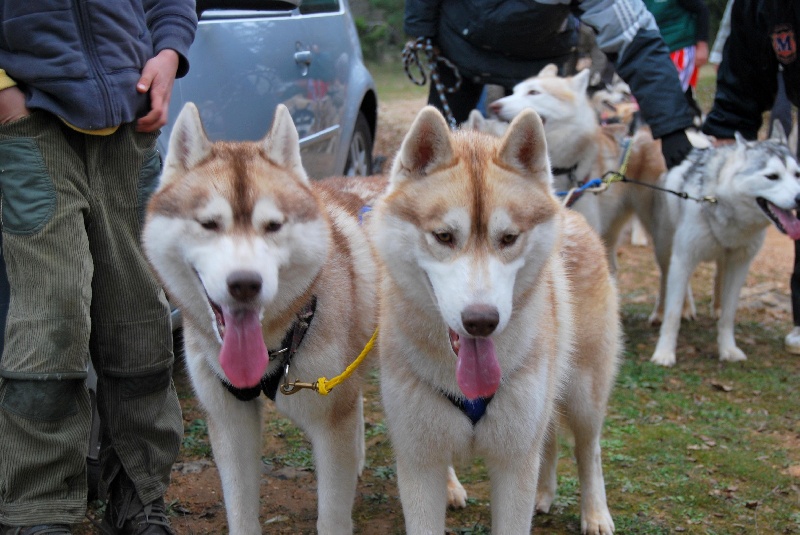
<point x="411" y="59"/>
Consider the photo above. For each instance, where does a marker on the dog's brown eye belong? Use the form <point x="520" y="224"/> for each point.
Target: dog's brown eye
<point x="508" y="239"/>
<point x="773" y="176"/>
<point x="533" y="92"/>
<point x="445" y="238"/>
<point x="210" y="224"/>
<point x="273" y="226"/>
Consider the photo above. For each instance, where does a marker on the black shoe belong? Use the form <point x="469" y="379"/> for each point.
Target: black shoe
<point x="127" y="515"/>
<point x="41" y="529"/>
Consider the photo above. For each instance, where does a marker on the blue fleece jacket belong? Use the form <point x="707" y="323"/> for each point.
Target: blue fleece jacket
<point x="81" y="59"/>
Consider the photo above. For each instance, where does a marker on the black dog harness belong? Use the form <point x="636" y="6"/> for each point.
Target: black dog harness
<point x="291" y="341"/>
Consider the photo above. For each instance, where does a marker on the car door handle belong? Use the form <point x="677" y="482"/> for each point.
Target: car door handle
<point x="303" y="56"/>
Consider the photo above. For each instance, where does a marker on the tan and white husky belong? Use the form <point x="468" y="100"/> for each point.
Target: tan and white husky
<point x="260" y="259"/>
<point x="497" y="315"/>
<point x="581" y="149"/>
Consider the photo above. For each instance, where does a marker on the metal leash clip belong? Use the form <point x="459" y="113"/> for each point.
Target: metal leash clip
<point x="289" y="388"/>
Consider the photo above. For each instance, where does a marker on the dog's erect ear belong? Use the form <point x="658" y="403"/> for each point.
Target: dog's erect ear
<point x="475" y="121"/>
<point x="188" y="142"/>
<point x="741" y="142"/>
<point x="523" y="147"/>
<point x="282" y="144"/>
<point x="778" y="133"/>
<point x="426" y="147"/>
<point x="580" y="82"/>
<point x="549" y="70"/>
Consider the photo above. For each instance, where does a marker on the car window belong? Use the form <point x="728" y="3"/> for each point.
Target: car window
<point x="246" y="5"/>
<point x="308" y="7"/>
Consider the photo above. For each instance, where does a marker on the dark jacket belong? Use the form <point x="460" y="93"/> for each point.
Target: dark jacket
<point x="763" y="37"/>
<point x="505" y="41"/>
<point x="81" y="60"/>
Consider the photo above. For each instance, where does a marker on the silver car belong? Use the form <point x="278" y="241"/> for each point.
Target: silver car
<point x="248" y="56"/>
<point x="251" y="55"/>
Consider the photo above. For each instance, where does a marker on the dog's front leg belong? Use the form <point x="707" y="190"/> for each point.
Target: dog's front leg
<point x="733" y="278"/>
<point x="234" y="428"/>
<point x="339" y="458"/>
<point x="548" y="481"/>
<point x="423" y="492"/>
<point x="514" y="479"/>
<point x="681" y="267"/>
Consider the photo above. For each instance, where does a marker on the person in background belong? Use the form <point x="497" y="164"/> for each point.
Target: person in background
<point x="506" y="41"/>
<point x="84" y="89"/>
<point x="684" y="26"/>
<point x="759" y="53"/>
<point x="724" y="30"/>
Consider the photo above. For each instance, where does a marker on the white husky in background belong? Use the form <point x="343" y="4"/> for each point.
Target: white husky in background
<point x="498" y="318"/>
<point x="253" y="252"/>
<point x="581" y="149"/>
<point x="754" y="183"/>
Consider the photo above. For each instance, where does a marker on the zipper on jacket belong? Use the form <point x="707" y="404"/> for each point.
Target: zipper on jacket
<point x="94" y="60"/>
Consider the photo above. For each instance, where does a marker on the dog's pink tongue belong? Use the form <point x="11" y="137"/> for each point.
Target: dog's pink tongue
<point x="789" y="222"/>
<point x="477" y="370"/>
<point x="244" y="355"/>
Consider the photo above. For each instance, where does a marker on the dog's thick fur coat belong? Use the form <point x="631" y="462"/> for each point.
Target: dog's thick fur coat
<point x="753" y="183"/>
<point x="490" y="289"/>
<point x="584" y="150"/>
<point x="242" y="241"/>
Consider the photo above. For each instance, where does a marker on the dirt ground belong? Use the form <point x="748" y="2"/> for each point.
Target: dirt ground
<point x="289" y="492"/>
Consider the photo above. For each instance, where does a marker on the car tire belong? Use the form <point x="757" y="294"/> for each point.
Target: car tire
<point x="359" y="152"/>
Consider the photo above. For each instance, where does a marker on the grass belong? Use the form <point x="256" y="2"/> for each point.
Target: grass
<point x="393" y="82"/>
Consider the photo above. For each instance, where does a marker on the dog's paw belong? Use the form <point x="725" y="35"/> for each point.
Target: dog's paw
<point x="731" y="354"/>
<point x="655" y="319"/>
<point x="544" y="500"/>
<point x="456" y="495"/>
<point x="600" y="524"/>
<point x="598" y="528"/>
<point x="663" y="358"/>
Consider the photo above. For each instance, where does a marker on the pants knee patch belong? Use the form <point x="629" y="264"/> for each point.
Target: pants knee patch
<point x="133" y="387"/>
<point x="29" y="197"/>
<point x="43" y="401"/>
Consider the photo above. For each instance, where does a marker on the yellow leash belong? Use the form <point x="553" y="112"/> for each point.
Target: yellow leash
<point x="323" y="386"/>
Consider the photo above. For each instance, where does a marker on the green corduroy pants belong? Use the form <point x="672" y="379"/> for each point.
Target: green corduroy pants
<point x="72" y="211"/>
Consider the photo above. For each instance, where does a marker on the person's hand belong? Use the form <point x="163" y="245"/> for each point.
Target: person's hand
<point x="721" y="141"/>
<point x="675" y="146"/>
<point x="701" y="54"/>
<point x="158" y="77"/>
<point x="12" y="105"/>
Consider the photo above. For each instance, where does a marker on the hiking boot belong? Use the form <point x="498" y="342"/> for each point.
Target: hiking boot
<point x="792" y="341"/>
<point x="127" y="515"/>
<point x="41" y="529"/>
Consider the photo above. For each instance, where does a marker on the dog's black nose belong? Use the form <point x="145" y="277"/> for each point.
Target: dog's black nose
<point x="244" y="285"/>
<point x="797" y="201"/>
<point x="480" y="320"/>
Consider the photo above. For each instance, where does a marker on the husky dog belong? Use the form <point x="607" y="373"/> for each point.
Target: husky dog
<point x="498" y="314"/>
<point x="272" y="273"/>
<point x="581" y="149"/>
<point x="754" y="183"/>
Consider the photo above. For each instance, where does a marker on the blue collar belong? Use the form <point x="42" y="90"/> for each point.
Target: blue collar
<point x="474" y="409"/>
